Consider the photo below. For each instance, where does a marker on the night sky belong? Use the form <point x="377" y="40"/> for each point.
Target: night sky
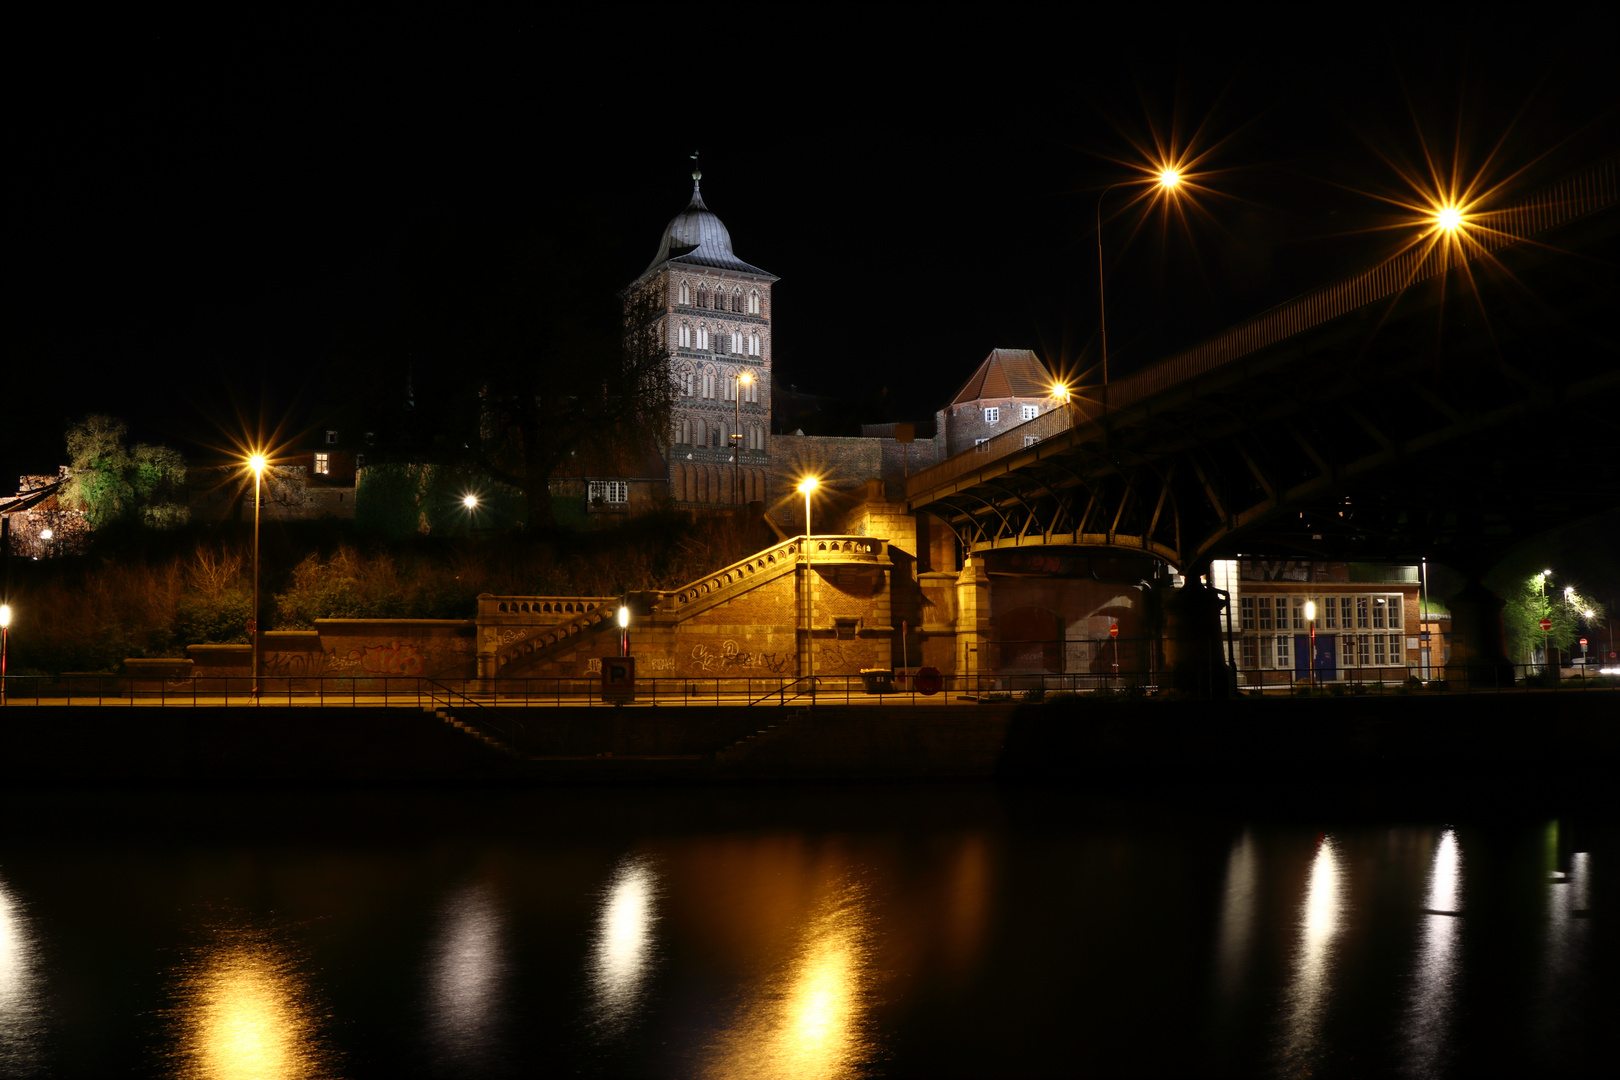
<point x="214" y="220"/>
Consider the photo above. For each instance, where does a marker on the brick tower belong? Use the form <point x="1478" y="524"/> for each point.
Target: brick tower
<point x="715" y="316"/>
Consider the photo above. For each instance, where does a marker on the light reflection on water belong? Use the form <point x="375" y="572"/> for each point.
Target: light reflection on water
<point x="1238" y="914"/>
<point x="246" y="1013"/>
<point x="1311" y="986"/>
<point x="22" y="1014"/>
<point x="622" y="954"/>
<point x="1429" y="1011"/>
<point x="466" y="980"/>
<point x="807" y="1017"/>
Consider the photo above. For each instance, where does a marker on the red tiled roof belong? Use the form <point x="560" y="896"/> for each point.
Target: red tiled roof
<point x="1007" y="373"/>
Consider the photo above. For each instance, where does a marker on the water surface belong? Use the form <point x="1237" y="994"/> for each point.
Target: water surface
<point x="799" y="932"/>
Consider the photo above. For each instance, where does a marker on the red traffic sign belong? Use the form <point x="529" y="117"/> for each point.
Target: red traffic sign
<point x="1113" y="631"/>
<point x="1546" y="624"/>
<point x="1583" y="643"/>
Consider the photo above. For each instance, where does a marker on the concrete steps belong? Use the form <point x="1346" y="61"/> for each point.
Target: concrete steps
<point x="740" y="750"/>
<point x="478" y="733"/>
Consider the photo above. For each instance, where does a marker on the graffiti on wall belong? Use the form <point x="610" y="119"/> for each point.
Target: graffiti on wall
<point x="390" y="659"/>
<point x="730" y="657"/>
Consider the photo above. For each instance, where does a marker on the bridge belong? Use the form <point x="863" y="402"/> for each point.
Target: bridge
<point x="1447" y="403"/>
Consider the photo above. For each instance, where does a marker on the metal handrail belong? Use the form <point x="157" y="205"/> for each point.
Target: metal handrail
<point x="781" y="691"/>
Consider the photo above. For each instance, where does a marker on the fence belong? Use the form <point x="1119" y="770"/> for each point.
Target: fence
<point x="908" y="686"/>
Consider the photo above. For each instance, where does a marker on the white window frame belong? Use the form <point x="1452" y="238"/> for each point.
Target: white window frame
<point x="609" y="491"/>
<point x="331" y="437"/>
<point x="992" y="414"/>
<point x="686" y="336"/>
<point x="686" y="294"/>
<point x="1031" y="440"/>
<point x="1029" y="412"/>
<point x="978" y="444"/>
<point x="753" y="302"/>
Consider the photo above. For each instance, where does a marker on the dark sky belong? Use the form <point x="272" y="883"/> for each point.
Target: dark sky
<point x="214" y="219"/>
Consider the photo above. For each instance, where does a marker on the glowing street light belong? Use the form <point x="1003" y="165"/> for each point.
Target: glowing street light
<point x="743" y="382"/>
<point x="5" y="635"/>
<point x="1449" y="218"/>
<point x="1061" y="393"/>
<point x="806" y="486"/>
<point x="257" y="464"/>
<point x="624" y="630"/>
<point x="1310" y="620"/>
<point x="1168" y="179"/>
<point x="470" y="502"/>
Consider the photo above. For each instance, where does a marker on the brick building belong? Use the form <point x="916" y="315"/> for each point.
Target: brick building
<point x="712" y="311"/>
<point x="1009" y="388"/>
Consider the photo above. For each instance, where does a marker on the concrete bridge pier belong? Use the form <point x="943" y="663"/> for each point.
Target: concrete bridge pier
<point x="1478" y="652"/>
<point x="1194" y="648"/>
<point x="972" y="624"/>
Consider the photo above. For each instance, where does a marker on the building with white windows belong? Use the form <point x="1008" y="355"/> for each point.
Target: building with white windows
<point x="713" y="311"/>
<point x="1011" y="387"/>
<point x="1368" y="621"/>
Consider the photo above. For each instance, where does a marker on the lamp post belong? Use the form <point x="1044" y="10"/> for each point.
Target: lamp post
<point x="624" y="630"/>
<point x="1310" y="621"/>
<point x="808" y="485"/>
<point x="1168" y="179"/>
<point x="743" y="380"/>
<point x="5" y="636"/>
<point x="1546" y="635"/>
<point x="256" y="463"/>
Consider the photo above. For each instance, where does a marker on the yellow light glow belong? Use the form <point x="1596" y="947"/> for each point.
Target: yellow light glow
<point x="247" y="1015"/>
<point x="257" y="463"/>
<point x="470" y="501"/>
<point x="1448" y="218"/>
<point x="5" y="615"/>
<point x="746" y="378"/>
<point x="1169" y="178"/>
<point x="1310" y="610"/>
<point x="623" y="956"/>
<point x="808" y="485"/>
<point x="1061" y="392"/>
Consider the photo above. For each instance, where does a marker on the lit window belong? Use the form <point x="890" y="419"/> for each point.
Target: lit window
<point x="609" y="491"/>
<point x="323" y="464"/>
<point x="1029" y="412"/>
<point x="992" y="415"/>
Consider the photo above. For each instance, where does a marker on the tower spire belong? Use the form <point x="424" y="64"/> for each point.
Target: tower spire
<point x="697" y="169"/>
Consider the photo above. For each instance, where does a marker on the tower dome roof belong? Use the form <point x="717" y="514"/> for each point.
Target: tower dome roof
<point x="696" y="237"/>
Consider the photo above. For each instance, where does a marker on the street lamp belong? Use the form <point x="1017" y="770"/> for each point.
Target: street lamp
<point x="624" y="630"/>
<point x="1310" y="620"/>
<point x="256" y="463"/>
<point x="5" y="635"/>
<point x="1167" y="180"/>
<point x="1546" y="635"/>
<point x="743" y="380"/>
<point x="808" y="485"/>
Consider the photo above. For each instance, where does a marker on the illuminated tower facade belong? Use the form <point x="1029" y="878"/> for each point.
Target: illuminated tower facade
<point x="713" y="312"/>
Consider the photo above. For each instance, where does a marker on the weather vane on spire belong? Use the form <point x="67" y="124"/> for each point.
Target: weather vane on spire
<point x="697" y="169"/>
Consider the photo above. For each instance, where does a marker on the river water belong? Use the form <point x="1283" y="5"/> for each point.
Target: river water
<point x="796" y="932"/>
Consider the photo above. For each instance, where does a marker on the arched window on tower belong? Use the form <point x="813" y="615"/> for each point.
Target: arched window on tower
<point x="703" y="338"/>
<point x="686" y="294"/>
<point x="708" y="383"/>
<point x="686" y="381"/>
<point x="753" y="302"/>
<point x="737" y="301"/>
<point x="686" y="335"/>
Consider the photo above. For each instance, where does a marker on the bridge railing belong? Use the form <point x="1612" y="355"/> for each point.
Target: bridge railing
<point x="904" y="686"/>
<point x="1562" y="203"/>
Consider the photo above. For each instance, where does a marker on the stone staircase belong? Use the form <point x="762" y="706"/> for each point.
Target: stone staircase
<point x="739" y="751"/>
<point x="447" y="715"/>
